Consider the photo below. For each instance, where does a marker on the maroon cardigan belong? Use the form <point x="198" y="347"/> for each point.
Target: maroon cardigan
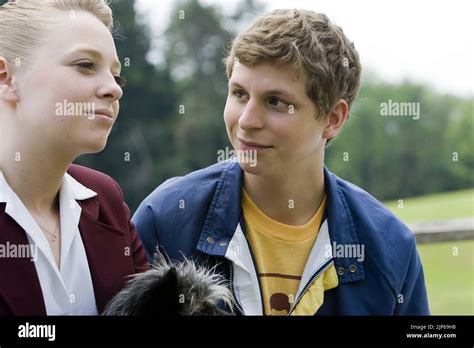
<point x="112" y="247"/>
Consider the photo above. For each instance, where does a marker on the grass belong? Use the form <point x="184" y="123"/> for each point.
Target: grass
<point x="449" y="277"/>
<point x="448" y="266"/>
<point x="439" y="206"/>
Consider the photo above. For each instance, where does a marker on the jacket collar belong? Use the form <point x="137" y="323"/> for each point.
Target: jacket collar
<point x="76" y="189"/>
<point x="224" y="214"/>
<point x="225" y="211"/>
<point x="21" y="290"/>
<point x="342" y="230"/>
<point x="102" y="242"/>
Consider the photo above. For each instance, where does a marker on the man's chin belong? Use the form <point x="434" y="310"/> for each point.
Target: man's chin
<point x="253" y="168"/>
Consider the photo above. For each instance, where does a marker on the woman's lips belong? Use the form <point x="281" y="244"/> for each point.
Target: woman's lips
<point x="105" y="112"/>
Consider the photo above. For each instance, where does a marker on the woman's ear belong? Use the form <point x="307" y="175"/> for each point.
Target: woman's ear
<point x="8" y="90"/>
<point x="337" y="118"/>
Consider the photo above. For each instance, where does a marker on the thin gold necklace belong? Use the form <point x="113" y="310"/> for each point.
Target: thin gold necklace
<point x="53" y="235"/>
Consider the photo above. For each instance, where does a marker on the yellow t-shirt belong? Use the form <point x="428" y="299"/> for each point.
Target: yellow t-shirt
<point x="280" y="252"/>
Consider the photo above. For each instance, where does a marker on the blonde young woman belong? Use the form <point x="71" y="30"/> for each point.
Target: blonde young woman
<point x="66" y="240"/>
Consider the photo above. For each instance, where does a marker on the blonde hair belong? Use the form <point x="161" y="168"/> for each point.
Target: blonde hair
<point x="23" y="23"/>
<point x="313" y="44"/>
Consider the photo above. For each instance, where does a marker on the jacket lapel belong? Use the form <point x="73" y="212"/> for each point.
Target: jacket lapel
<point x="107" y="253"/>
<point x="20" y="289"/>
<point x="224" y="213"/>
<point x="342" y="230"/>
<point x="19" y="284"/>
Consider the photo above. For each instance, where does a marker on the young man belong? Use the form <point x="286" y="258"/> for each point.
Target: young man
<point x="290" y="236"/>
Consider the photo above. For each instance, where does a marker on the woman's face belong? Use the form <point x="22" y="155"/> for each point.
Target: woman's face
<point x="68" y="94"/>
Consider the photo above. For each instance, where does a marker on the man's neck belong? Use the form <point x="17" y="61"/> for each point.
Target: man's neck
<point x="291" y="199"/>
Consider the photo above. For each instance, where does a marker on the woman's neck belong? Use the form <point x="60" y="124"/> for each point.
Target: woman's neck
<point x="34" y="174"/>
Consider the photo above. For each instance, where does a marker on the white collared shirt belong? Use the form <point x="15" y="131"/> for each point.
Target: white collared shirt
<point x="68" y="290"/>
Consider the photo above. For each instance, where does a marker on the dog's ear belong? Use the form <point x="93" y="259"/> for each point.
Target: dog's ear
<point x="162" y="298"/>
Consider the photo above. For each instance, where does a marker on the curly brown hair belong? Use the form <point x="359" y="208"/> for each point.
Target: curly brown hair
<point x="309" y="41"/>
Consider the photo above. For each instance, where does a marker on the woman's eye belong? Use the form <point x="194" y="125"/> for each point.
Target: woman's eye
<point x="86" y="65"/>
<point x="238" y="94"/>
<point x="241" y="96"/>
<point x="90" y="66"/>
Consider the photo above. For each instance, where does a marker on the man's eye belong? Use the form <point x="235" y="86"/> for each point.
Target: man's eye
<point x="273" y="101"/>
<point x="120" y="81"/>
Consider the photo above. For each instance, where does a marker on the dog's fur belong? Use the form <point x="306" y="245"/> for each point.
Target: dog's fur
<point x="170" y="289"/>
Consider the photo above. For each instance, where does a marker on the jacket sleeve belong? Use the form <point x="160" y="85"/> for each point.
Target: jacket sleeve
<point x="140" y="261"/>
<point x="146" y="229"/>
<point x="138" y="253"/>
<point x="413" y="299"/>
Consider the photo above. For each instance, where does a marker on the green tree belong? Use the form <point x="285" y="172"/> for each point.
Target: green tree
<point x="196" y="42"/>
<point x="394" y="157"/>
<point x="138" y="149"/>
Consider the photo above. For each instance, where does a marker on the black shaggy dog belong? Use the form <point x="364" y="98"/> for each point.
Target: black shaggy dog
<point x="171" y="289"/>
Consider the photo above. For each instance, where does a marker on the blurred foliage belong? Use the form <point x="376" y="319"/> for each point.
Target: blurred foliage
<point x="137" y="151"/>
<point x="171" y="119"/>
<point x="395" y="157"/>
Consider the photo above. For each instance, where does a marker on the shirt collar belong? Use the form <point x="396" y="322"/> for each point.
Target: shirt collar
<point x="4" y="189"/>
<point x="78" y="191"/>
<point x="225" y="212"/>
<point x="70" y="213"/>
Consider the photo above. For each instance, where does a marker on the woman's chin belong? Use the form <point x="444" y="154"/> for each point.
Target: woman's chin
<point x="95" y="146"/>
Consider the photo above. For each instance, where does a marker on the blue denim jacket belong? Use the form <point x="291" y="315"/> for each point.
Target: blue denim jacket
<point x="200" y="216"/>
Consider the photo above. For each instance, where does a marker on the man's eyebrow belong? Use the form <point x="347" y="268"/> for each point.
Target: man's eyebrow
<point x="94" y="53"/>
<point x="270" y="92"/>
<point x="280" y="92"/>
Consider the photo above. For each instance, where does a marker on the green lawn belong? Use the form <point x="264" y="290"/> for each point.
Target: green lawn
<point x="440" y="206"/>
<point x="449" y="278"/>
<point x="448" y="266"/>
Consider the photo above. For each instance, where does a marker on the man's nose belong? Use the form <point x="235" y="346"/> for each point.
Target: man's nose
<point x="252" y="116"/>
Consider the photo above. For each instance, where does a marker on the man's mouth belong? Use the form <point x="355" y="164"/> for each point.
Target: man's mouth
<point x="248" y="145"/>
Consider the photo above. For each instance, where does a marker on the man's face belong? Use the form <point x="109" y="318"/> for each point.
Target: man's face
<point x="269" y="112"/>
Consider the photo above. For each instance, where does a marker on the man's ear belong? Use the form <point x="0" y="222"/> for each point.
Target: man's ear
<point x="8" y="90"/>
<point x="336" y="119"/>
